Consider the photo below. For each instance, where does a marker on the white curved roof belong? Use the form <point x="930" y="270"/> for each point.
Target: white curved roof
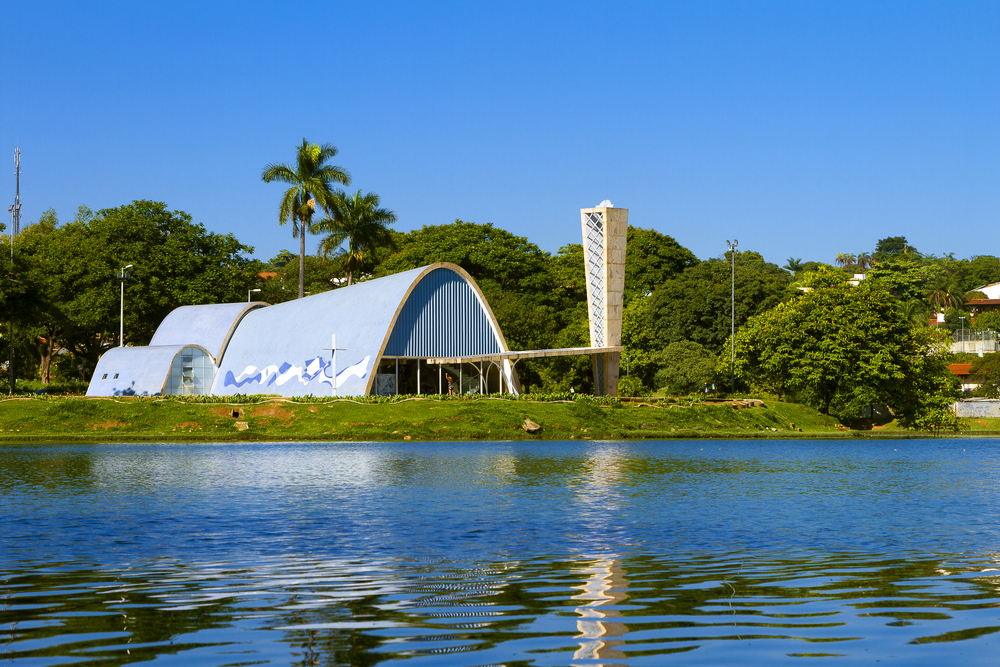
<point x="209" y="326"/>
<point x="285" y="349"/>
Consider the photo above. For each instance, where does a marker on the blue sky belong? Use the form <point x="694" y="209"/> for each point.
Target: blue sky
<point x="803" y="129"/>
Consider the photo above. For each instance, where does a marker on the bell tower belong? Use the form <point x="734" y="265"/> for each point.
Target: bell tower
<point x="605" y="229"/>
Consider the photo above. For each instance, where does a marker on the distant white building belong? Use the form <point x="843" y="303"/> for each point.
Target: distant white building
<point x="992" y="291"/>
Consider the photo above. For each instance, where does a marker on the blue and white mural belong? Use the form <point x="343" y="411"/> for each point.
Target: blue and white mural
<point x="316" y="372"/>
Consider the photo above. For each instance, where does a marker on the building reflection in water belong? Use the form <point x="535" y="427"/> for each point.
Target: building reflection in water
<point x="606" y="586"/>
<point x="598" y="496"/>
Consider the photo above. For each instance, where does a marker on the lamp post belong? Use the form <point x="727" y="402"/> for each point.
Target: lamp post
<point x="249" y="292"/>
<point x="15" y="228"/>
<point x="732" y="320"/>
<point x="15" y="214"/>
<point x="963" y="332"/>
<point x="121" y="330"/>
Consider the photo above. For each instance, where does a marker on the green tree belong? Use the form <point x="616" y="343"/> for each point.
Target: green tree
<point x="844" y="259"/>
<point x="497" y="259"/>
<point x="988" y="321"/>
<point x="913" y="311"/>
<point x="639" y="342"/>
<point x="74" y="269"/>
<point x="841" y="349"/>
<point x="986" y="371"/>
<point x="45" y="327"/>
<point x="696" y="304"/>
<point x="794" y="265"/>
<point x="685" y="367"/>
<point x="280" y="260"/>
<point x="321" y="275"/>
<point x="823" y="276"/>
<point x="652" y="258"/>
<point x="944" y="294"/>
<point x="977" y="272"/>
<point x="905" y="279"/>
<point x="362" y="224"/>
<point x="20" y="303"/>
<point x="311" y="179"/>
<point x="893" y="245"/>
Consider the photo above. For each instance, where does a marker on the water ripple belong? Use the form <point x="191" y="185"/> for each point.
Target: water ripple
<point x="496" y="553"/>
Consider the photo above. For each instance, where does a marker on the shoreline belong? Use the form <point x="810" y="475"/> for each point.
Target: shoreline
<point x="82" y="420"/>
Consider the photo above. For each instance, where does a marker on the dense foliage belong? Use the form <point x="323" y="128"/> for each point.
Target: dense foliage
<point x="696" y="305"/>
<point x="843" y="349"/>
<point x="66" y="294"/>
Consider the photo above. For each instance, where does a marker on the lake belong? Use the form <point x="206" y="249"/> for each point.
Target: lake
<point x="703" y="552"/>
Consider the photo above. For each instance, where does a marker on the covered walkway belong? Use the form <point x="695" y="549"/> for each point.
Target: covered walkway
<point x="472" y="374"/>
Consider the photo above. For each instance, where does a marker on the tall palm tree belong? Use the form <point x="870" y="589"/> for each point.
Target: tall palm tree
<point x="794" y="265"/>
<point x="913" y="311"/>
<point x="864" y="261"/>
<point x="358" y="221"/>
<point x="944" y="294"/>
<point x="310" y="178"/>
<point x="843" y="259"/>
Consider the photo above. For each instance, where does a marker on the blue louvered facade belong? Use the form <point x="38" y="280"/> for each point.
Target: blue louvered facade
<point x="442" y="317"/>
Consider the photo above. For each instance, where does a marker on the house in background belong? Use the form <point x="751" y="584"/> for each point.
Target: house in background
<point x="990" y="304"/>
<point x="962" y="371"/>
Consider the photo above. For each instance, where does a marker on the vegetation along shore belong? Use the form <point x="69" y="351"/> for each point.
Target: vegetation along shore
<point x="60" y="419"/>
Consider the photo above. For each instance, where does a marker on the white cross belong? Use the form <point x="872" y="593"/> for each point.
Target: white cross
<point x="333" y="353"/>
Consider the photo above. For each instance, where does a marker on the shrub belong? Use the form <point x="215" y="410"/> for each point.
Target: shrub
<point x="631" y="385"/>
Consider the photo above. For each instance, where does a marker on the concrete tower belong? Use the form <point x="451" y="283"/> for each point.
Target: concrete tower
<point x="605" y="229"/>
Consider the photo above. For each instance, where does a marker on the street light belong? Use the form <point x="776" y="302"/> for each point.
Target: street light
<point x="15" y="214"/>
<point x="963" y="332"/>
<point x="121" y="330"/>
<point x="732" y="320"/>
<point x="249" y="292"/>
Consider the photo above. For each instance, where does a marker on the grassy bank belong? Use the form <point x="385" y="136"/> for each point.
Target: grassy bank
<point x="75" y="419"/>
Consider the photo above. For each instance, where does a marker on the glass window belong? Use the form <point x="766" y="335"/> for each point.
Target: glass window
<point x="191" y="373"/>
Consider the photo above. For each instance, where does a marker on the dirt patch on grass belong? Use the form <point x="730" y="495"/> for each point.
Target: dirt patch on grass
<point x="108" y="424"/>
<point x="278" y="411"/>
<point x="189" y="425"/>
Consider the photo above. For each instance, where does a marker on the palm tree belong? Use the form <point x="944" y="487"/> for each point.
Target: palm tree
<point x="944" y="294"/>
<point x="358" y="221"/>
<point x="310" y="180"/>
<point x="864" y="261"/>
<point x="843" y="259"/>
<point x="794" y="265"/>
<point x="913" y="311"/>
